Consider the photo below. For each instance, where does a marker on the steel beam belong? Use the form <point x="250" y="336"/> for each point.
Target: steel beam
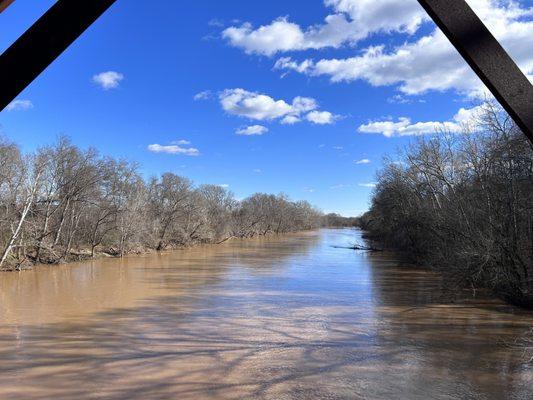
<point x="43" y="42"/>
<point x="5" y="4"/>
<point x="486" y="57"/>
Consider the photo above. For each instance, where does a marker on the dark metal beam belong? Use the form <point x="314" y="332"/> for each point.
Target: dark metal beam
<point x="43" y="42"/>
<point x="5" y="4"/>
<point x="487" y="58"/>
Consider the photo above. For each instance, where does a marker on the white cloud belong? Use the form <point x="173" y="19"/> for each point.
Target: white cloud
<point x="362" y="161"/>
<point x="215" y="22"/>
<point x="290" y="120"/>
<point x="429" y="63"/>
<point x="253" y="105"/>
<point x="256" y="171"/>
<point x="309" y="189"/>
<point x="181" y="142"/>
<point x="19" y="105"/>
<point x="404" y="126"/>
<point x="252" y="130"/>
<point x="352" y="21"/>
<point x="321" y="117"/>
<point x="399" y="99"/>
<point x="289" y="64"/>
<point x="372" y="16"/>
<point x="303" y="104"/>
<point x="205" y="95"/>
<point x="368" y="185"/>
<point x="261" y="107"/>
<point x="173" y="149"/>
<point x="108" y="80"/>
<point x="223" y="185"/>
<point x="280" y="35"/>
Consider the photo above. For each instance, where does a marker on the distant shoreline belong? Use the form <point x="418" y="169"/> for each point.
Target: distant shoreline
<point x="83" y="255"/>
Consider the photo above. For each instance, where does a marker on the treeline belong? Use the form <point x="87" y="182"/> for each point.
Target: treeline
<point x="463" y="203"/>
<point x="64" y="203"/>
<point x="334" y="220"/>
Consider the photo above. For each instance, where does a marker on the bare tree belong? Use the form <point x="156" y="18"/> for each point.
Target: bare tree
<point x="464" y="204"/>
<point x="63" y="203"/>
<point x="23" y="178"/>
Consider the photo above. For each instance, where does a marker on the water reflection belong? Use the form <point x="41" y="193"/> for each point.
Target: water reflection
<point x="277" y="318"/>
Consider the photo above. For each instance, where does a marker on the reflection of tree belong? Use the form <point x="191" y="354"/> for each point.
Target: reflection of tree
<point x="308" y="321"/>
<point x="460" y="342"/>
<point x="210" y="264"/>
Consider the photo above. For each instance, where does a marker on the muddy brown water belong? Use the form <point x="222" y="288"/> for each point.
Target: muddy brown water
<point x="286" y="317"/>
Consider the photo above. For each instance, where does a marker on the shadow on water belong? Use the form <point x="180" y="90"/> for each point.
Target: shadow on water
<point x="282" y="318"/>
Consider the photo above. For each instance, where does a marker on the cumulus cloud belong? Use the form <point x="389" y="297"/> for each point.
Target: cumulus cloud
<point x="373" y="16"/>
<point x="288" y="63"/>
<point x="405" y="127"/>
<point x="205" y="95"/>
<point x="429" y="63"/>
<point x="108" y="80"/>
<point x="290" y="120"/>
<point x="362" y="161"/>
<point x="261" y="107"/>
<point x="253" y="105"/>
<point x="173" y="149"/>
<point x="252" y="130"/>
<point x="19" y="105"/>
<point x="280" y="35"/>
<point x="320" y="117"/>
<point x="351" y="21"/>
<point x="303" y="104"/>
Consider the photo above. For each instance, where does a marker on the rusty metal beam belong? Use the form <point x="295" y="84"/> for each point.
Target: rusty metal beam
<point x="5" y="4"/>
<point x="486" y="57"/>
<point x="43" y="42"/>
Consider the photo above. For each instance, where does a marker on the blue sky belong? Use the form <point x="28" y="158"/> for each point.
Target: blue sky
<point x="324" y="88"/>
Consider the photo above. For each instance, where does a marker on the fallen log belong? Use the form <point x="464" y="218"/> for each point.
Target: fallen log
<point x="358" y="247"/>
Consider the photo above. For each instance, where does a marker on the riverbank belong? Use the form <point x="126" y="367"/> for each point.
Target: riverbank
<point x="462" y="203"/>
<point x="457" y="284"/>
<point x="86" y="254"/>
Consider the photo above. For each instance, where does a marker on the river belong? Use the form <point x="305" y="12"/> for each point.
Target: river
<point x="288" y="317"/>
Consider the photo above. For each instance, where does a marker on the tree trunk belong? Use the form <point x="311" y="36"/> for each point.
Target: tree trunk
<point x="16" y="232"/>
<point x="61" y="222"/>
<point x="43" y="232"/>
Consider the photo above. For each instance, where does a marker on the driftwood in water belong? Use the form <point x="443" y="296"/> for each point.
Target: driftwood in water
<point x="225" y="239"/>
<point x="358" y="247"/>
